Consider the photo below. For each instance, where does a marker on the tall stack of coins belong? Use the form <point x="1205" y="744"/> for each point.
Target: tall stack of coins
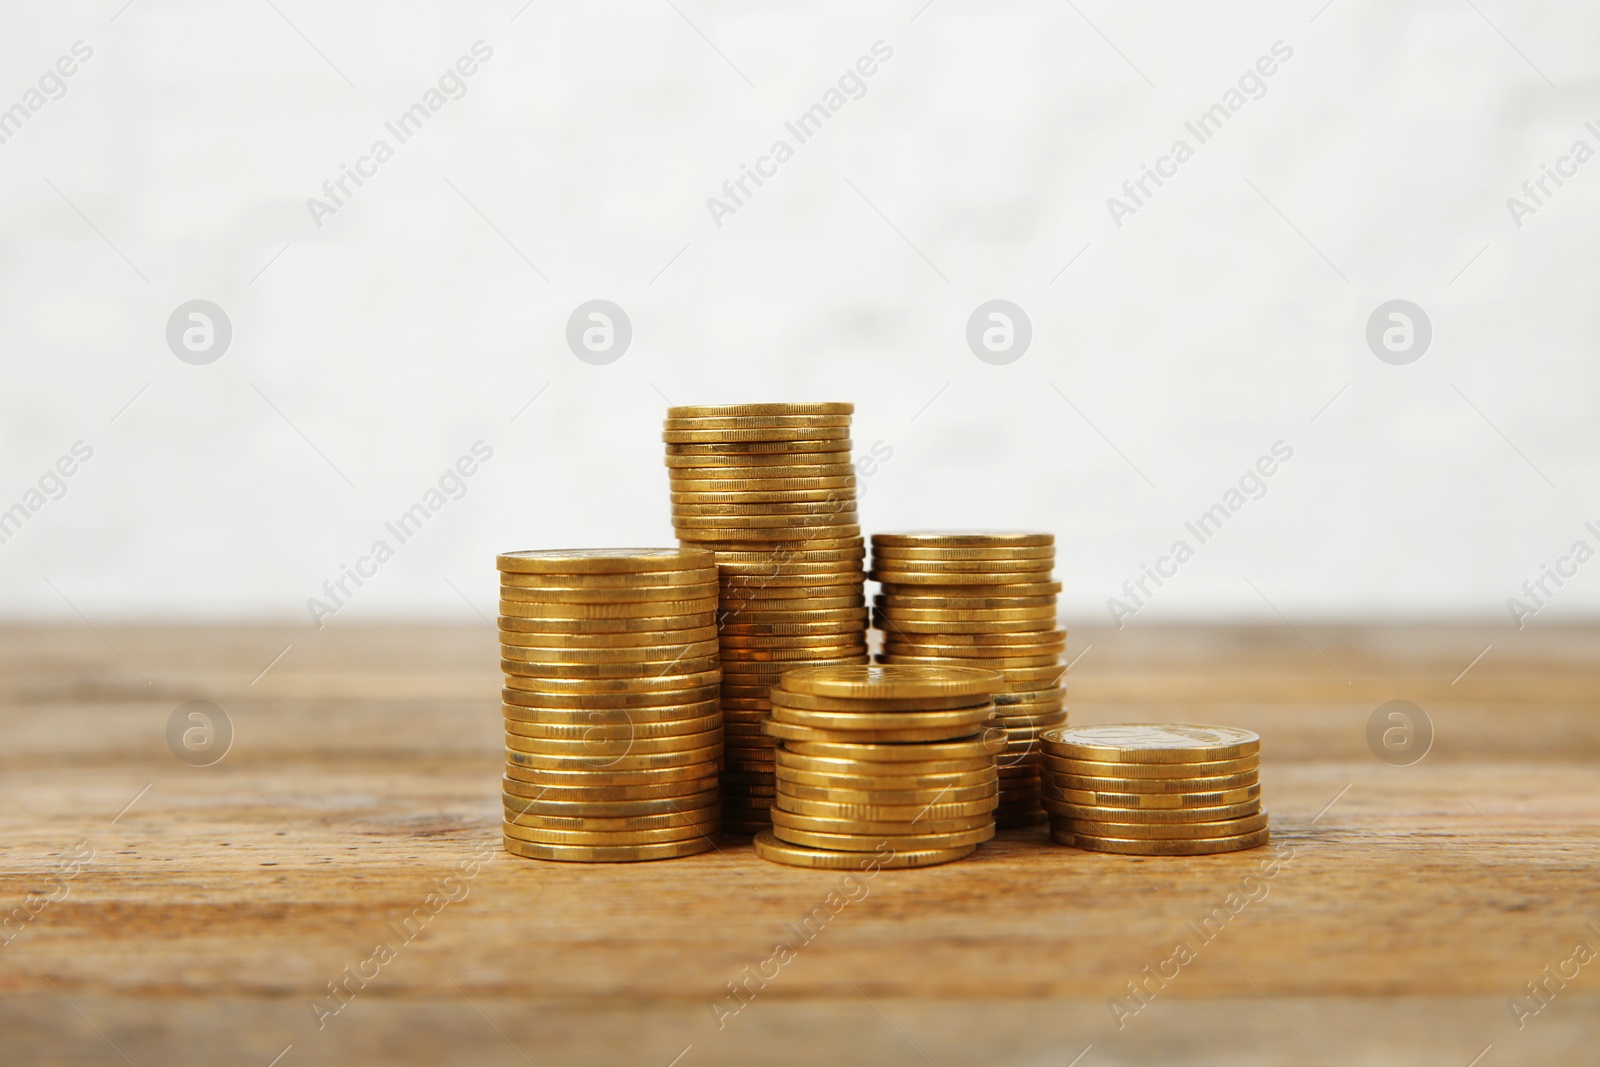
<point x="770" y="489"/>
<point x="1154" y="790"/>
<point x="887" y="765"/>
<point x="613" y="733"/>
<point x="983" y="599"/>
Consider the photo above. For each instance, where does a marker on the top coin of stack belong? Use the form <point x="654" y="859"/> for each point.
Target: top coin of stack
<point x="881" y="766"/>
<point x="1154" y="789"/>
<point x="613" y="734"/>
<point x="983" y="599"/>
<point x="770" y="489"/>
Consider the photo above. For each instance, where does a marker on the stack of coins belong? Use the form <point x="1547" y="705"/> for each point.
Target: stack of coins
<point x="891" y="765"/>
<point x="983" y="599"/>
<point x="613" y="734"/>
<point x="1154" y="790"/>
<point x="770" y="489"/>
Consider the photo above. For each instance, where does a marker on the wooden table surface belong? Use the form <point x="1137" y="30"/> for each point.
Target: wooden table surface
<point x="166" y="914"/>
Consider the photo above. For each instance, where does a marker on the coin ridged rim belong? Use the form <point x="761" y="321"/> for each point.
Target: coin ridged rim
<point x="804" y="446"/>
<point x="663" y="704"/>
<point x="811" y="702"/>
<point x="1170" y="831"/>
<point x="769" y="848"/>
<point x="889" y="797"/>
<point x="969" y="718"/>
<point x="643" y="655"/>
<point x="787" y="776"/>
<point x="962" y="538"/>
<point x="775" y="407"/>
<point x="958" y="553"/>
<point x="792" y="732"/>
<point x="637" y="639"/>
<point x="607" y="854"/>
<point x="820" y="824"/>
<point x="1089" y="813"/>
<point x="892" y="682"/>
<point x="895" y="576"/>
<point x="591" y="628"/>
<point x="1025" y="639"/>
<point x="882" y="768"/>
<point x="545" y="792"/>
<point x="1158" y="771"/>
<point x="891" y="588"/>
<point x="604" y="672"/>
<point x="869" y="842"/>
<point x="1200" y="846"/>
<point x="1161" y="742"/>
<point x="691" y="817"/>
<point x="609" y="838"/>
<point x="605" y="597"/>
<point x="679" y="803"/>
<point x="563" y="731"/>
<point x="577" y="561"/>
<point x="1219" y="798"/>
<point x="913" y="752"/>
<point x="606" y="748"/>
<point x="1206" y="784"/>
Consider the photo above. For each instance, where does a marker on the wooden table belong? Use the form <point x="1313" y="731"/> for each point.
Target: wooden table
<point x="197" y="913"/>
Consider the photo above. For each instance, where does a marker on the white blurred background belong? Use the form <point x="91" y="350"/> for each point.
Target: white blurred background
<point x="1227" y="313"/>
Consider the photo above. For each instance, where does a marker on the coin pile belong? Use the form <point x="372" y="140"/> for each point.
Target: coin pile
<point x="1154" y="790"/>
<point x="982" y="599"/>
<point x="770" y="490"/>
<point x="890" y="766"/>
<point x="613" y="734"/>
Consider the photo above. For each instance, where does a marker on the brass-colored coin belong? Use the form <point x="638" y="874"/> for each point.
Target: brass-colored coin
<point x="981" y="747"/>
<point x="1175" y="831"/>
<point x="882" y="857"/>
<point x="751" y="613"/>
<point x="995" y="570"/>
<point x="661" y="683"/>
<point x="750" y="571"/>
<point x="718" y="472"/>
<point x="900" y="615"/>
<point x="1152" y="743"/>
<point x="1206" y="784"/>
<point x="870" y="842"/>
<point x="754" y="434"/>
<point x="890" y="797"/>
<point x="1009" y="589"/>
<point x="824" y="583"/>
<point x="739" y="422"/>
<point x="621" y="707"/>
<point x="970" y="655"/>
<point x="905" y="814"/>
<point x="603" y="584"/>
<point x="792" y="732"/>
<point x="599" y="628"/>
<point x="842" y="634"/>
<point x="570" y="786"/>
<point x="891" y="683"/>
<point x="766" y="484"/>
<point x="899" y="625"/>
<point x="605" y="732"/>
<point x="831" y="447"/>
<point x="603" y="671"/>
<point x="765" y="520"/>
<point x="993" y="664"/>
<point x="794" y="533"/>
<point x="884" y="768"/>
<point x="579" y="613"/>
<point x="1214" y="799"/>
<point x="820" y="540"/>
<point x="1032" y="678"/>
<point x="970" y="719"/>
<point x="658" y="804"/>
<point x="834" y="504"/>
<point x="657" y="654"/>
<point x="1090" y="813"/>
<point x="963" y="538"/>
<point x="728" y="411"/>
<point x="541" y="835"/>
<point x="584" y="769"/>
<point x="784" y="556"/>
<point x="808" y="702"/>
<point x="602" y="560"/>
<point x="900" y="576"/>
<point x="791" y="629"/>
<point x="608" y="853"/>
<point x="546" y="793"/>
<point x="818" y="824"/>
<point x="603" y="750"/>
<point x="1156" y="771"/>
<point x="1204" y="846"/>
<point x="672" y="594"/>
<point x="896" y="782"/>
<point x="707" y="814"/>
<point x="961" y="553"/>
<point x="1020" y="702"/>
<point x="899" y="601"/>
<point x="737" y="671"/>
<point x="1024" y="641"/>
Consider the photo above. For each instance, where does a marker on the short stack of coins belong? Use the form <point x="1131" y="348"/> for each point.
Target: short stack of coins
<point x="771" y="491"/>
<point x="982" y="599"/>
<point x="1154" y="789"/>
<point x="613" y="730"/>
<point x="890" y="766"/>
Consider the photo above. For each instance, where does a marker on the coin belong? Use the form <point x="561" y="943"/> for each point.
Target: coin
<point x="975" y="748"/>
<point x="603" y="749"/>
<point x="873" y="682"/>
<point x="969" y="719"/>
<point x="635" y="595"/>
<point x="962" y="538"/>
<point x="884" y="571"/>
<point x="806" y="702"/>
<point x="758" y="435"/>
<point x="708" y="813"/>
<point x="540" y="791"/>
<point x="863" y="776"/>
<point x="597" y="628"/>
<point x="1156" y="771"/>
<point x="912" y="814"/>
<point x="714" y="422"/>
<point x="827" y="446"/>
<point x="901" y="625"/>
<point x="603" y="560"/>
<point x="995" y="570"/>
<point x="870" y="842"/>
<point x="979" y="642"/>
<point x="992" y="664"/>
<point x="603" y="671"/>
<point x="601" y="732"/>
<point x="660" y="683"/>
<point x="541" y="835"/>
<point x="1204" y="846"/>
<point x="945" y="794"/>
<point x="663" y="704"/>
<point x="685" y="805"/>
<point x="890" y="768"/>
<point x="1167" y="831"/>
<point x="724" y="411"/>
<point x="893" y="602"/>
<point x="608" y="583"/>
<point x="818" y="824"/>
<point x="1171" y="801"/>
<point x="828" y="504"/>
<point x="642" y="721"/>
<point x="768" y="847"/>
<point x="768" y="482"/>
<point x="653" y="609"/>
<point x="936" y="555"/>
<point x="792" y="732"/>
<point x="967" y="614"/>
<point x="1089" y="813"/>
<point x="608" y="854"/>
<point x="782" y="630"/>
<point x="1157" y="785"/>
<point x="986" y="589"/>
<point x="592" y="772"/>
<point x="1152" y="743"/>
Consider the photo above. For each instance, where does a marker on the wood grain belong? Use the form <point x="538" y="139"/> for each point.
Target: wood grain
<point x="1412" y="902"/>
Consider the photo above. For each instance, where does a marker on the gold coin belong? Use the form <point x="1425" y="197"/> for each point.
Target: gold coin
<point x="841" y="633"/>
<point x="608" y="854"/>
<point x="584" y="769"/>
<point x="900" y="625"/>
<point x="896" y="782"/>
<point x="1023" y="641"/>
<point x="656" y="654"/>
<point x="928" y="752"/>
<point x="701" y="816"/>
<point x="1205" y="846"/>
<point x="1156" y="785"/>
<point x="765" y="484"/>
<point x="867" y="843"/>
<point x="970" y="655"/>
<point x="883" y="768"/>
<point x="624" y="707"/>
<point x="728" y="411"/>
<point x="792" y="732"/>
<point x="1152" y="743"/>
<point x="603" y="560"/>
<point x="795" y="554"/>
<point x="994" y="570"/>
<point x="962" y="538"/>
<point x="1214" y="799"/>
<point x="765" y="613"/>
<point x="660" y="683"/>
<point x="821" y="540"/>
<point x="883" y="572"/>
<point x="577" y="614"/>
<point x="717" y="422"/>
<point x="721" y="469"/>
<point x="969" y="719"/>
<point x="831" y="447"/>
<point x="758" y="435"/>
<point x="901" y="797"/>
<point x="1022" y="702"/>
<point x="808" y="702"/>
<point x="547" y="793"/>
<point x="872" y="682"/>
<point x="763" y="519"/>
<point x="883" y="857"/>
<point x="818" y="824"/>
<point x="996" y="664"/>
<point x="900" y="601"/>
<point x="605" y="583"/>
<point x="949" y="554"/>
<point x="791" y="629"/>
<point x="835" y="504"/>
<point x="1089" y="813"/>
<point x="1176" y="831"/>
<point x="1154" y="771"/>
<point x="794" y="533"/>
<point x="1040" y="588"/>
<point x="603" y="671"/>
<point x="595" y="629"/>
<point x="687" y="804"/>
<point x="663" y="720"/>
<point x="905" y="814"/>
<point x="966" y="614"/>
<point x="829" y="583"/>
<point x="746" y="574"/>
<point x="541" y="835"/>
<point x="602" y="732"/>
<point x="1032" y="677"/>
<point x="654" y="595"/>
<point x="604" y="749"/>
